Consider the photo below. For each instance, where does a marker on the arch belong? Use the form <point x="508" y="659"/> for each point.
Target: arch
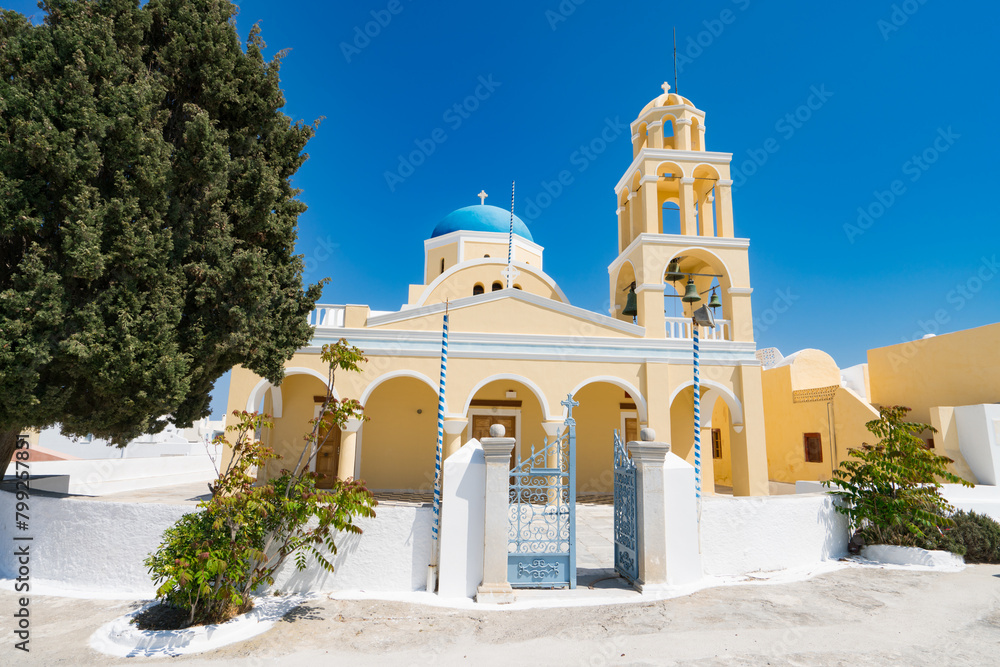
<point x="396" y="374"/>
<point x="542" y="401"/>
<point x="521" y="266"/>
<point x="707" y="256"/>
<point x="626" y="276"/>
<point x="640" y="402"/>
<point x="708" y="399"/>
<point x="674" y="169"/>
<point x="497" y="286"/>
<point x="478" y="289"/>
<point x="260" y="389"/>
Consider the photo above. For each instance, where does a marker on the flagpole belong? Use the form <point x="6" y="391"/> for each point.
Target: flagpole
<point x="432" y="568"/>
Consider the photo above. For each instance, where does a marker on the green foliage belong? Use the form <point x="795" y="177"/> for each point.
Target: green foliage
<point x="976" y="536"/>
<point x="890" y="490"/>
<point x="211" y="561"/>
<point x="147" y="216"/>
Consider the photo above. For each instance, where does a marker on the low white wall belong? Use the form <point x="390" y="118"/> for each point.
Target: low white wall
<point x="760" y="534"/>
<point x="103" y="476"/>
<point x="99" y="547"/>
<point x="981" y="498"/>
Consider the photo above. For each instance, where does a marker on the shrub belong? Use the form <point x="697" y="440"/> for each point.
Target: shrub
<point x="890" y="491"/>
<point x="977" y="534"/>
<point x="211" y="561"/>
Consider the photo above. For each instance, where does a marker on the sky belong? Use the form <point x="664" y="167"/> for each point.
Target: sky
<point x="863" y="138"/>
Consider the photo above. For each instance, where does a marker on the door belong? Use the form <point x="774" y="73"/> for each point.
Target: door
<point x="329" y="453"/>
<point x="481" y="429"/>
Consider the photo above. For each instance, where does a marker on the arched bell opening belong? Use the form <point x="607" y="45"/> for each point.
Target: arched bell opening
<point x="624" y="287"/>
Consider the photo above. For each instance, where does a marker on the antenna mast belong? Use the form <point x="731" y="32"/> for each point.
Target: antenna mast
<point x="675" y="61"/>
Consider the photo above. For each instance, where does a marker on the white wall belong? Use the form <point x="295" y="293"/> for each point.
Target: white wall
<point x="463" y="522"/>
<point x="96" y="546"/>
<point x="765" y="533"/>
<point x="97" y="477"/>
<point x="979" y="440"/>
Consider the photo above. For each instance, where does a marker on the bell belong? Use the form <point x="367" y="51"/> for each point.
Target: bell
<point x="714" y="302"/>
<point x="674" y="271"/>
<point x="631" y="309"/>
<point x="691" y="293"/>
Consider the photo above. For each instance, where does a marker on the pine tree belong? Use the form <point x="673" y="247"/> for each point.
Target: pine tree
<point x="147" y="220"/>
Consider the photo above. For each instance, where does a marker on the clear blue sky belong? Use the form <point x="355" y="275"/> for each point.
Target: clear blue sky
<point x="922" y="83"/>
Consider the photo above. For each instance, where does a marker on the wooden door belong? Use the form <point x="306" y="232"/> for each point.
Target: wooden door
<point x="481" y="429"/>
<point x="329" y="454"/>
<point x="631" y="429"/>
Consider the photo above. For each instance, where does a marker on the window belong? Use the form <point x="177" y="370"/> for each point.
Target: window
<point x="517" y="287"/>
<point x="716" y="443"/>
<point x="814" y="447"/>
<point x="478" y="289"/>
<point x="928" y="443"/>
<point x="497" y="286"/>
<point x="442" y="265"/>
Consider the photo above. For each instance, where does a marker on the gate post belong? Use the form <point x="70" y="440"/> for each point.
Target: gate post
<point x="496" y="449"/>
<point x="649" y="457"/>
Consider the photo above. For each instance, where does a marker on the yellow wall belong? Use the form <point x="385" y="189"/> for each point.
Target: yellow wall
<point x="461" y="283"/>
<point x="952" y="369"/>
<point x="597" y="418"/>
<point x="722" y="421"/>
<point x="474" y="250"/>
<point x="398" y="444"/>
<point x="449" y="253"/>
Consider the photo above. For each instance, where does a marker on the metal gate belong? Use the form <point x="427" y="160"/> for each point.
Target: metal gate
<point x="626" y="523"/>
<point x="541" y="545"/>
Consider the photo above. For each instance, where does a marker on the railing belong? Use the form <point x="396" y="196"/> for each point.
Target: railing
<point x="680" y="327"/>
<point x="327" y="316"/>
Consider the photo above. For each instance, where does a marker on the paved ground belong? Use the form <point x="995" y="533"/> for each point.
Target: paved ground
<point x="854" y="616"/>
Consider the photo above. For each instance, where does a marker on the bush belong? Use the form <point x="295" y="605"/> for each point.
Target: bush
<point x="977" y="534"/>
<point x="890" y="491"/>
<point x="211" y="561"/>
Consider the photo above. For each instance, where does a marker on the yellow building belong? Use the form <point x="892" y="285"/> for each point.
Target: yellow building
<point x="816" y="412"/>
<point x="518" y="347"/>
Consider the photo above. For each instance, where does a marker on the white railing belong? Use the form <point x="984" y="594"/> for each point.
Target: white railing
<point x="680" y="327"/>
<point x="327" y="316"/>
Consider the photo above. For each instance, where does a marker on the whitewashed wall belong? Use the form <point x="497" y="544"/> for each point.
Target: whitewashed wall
<point x="97" y="477"/>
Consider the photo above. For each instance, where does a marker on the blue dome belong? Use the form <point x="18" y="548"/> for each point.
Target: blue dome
<point x="480" y="218"/>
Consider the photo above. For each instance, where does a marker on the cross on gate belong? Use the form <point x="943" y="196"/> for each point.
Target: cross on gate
<point x="569" y="404"/>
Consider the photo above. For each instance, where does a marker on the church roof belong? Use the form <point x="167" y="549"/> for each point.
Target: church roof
<point x="480" y="218"/>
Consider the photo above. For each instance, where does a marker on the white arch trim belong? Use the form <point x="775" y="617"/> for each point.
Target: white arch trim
<point x="520" y="266"/>
<point x="397" y="374"/>
<point x="260" y="389"/>
<point x="715" y="390"/>
<point x="546" y="415"/>
<point x="640" y="402"/>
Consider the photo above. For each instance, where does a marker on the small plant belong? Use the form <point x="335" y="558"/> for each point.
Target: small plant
<point x="890" y="491"/>
<point x="211" y="561"/>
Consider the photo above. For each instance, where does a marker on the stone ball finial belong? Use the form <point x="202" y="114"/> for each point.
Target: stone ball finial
<point x="497" y="431"/>
<point x="647" y="434"/>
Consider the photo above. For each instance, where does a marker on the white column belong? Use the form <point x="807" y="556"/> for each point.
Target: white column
<point x="348" y="449"/>
<point x="649" y="457"/>
<point x="496" y="449"/>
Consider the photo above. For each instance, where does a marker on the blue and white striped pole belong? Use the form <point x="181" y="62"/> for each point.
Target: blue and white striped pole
<point x="697" y="419"/>
<point x="510" y="241"/>
<point x="432" y="569"/>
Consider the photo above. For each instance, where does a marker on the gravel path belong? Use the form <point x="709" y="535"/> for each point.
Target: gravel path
<point x="854" y="616"/>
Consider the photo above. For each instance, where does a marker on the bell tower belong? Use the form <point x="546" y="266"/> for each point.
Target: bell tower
<point x="675" y="205"/>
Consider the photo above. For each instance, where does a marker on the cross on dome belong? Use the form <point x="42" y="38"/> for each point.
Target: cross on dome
<point x="665" y="87"/>
<point x="482" y="196"/>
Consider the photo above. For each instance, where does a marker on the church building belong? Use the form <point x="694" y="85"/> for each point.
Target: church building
<point x="517" y="346"/>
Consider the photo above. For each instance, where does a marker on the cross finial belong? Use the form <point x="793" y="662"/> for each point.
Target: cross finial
<point x="482" y="196"/>
<point x="569" y="404"/>
<point x="665" y="87"/>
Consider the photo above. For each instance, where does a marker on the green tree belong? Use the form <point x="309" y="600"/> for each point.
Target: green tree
<point x="891" y="490"/>
<point x="147" y="219"/>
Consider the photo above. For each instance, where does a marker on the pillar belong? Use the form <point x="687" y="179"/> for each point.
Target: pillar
<point x="496" y="450"/>
<point x="649" y="299"/>
<point x="706" y="221"/>
<point x="453" y="435"/>
<point x="749" y="452"/>
<point x="635" y="223"/>
<point x="348" y="449"/>
<point x="724" y="209"/>
<point x="649" y="457"/>
<point x="650" y="205"/>
<point x="689" y="222"/>
<point x="682" y="128"/>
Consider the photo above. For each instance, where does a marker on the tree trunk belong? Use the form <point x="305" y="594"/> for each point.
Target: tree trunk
<point x="8" y="444"/>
